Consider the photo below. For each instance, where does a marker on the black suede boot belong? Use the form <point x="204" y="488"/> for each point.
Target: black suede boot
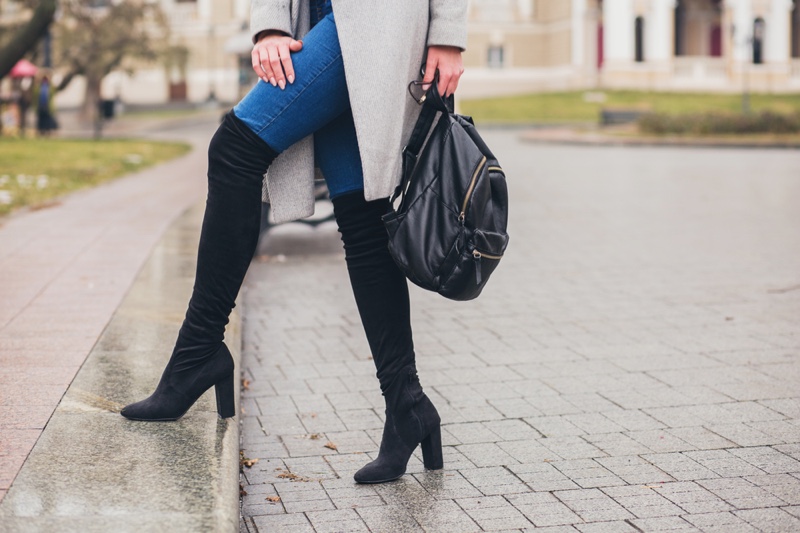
<point x="237" y="161"/>
<point x="381" y="294"/>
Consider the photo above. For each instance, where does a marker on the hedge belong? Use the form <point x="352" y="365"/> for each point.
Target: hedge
<point x="716" y="123"/>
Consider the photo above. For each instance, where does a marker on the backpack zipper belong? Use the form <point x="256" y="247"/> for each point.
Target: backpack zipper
<point x="471" y="188"/>
<point x="476" y="256"/>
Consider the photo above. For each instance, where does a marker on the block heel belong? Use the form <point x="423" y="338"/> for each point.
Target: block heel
<point x="226" y="401"/>
<point x="432" y="450"/>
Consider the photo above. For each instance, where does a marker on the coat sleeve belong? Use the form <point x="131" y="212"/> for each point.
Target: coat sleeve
<point x="448" y="23"/>
<point x="270" y="15"/>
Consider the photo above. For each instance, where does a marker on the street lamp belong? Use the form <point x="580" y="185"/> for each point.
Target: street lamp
<point x="747" y="42"/>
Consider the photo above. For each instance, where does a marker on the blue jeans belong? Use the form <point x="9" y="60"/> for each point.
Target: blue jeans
<point x="317" y="102"/>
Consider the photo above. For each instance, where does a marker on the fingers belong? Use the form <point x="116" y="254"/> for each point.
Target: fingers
<point x="277" y="67"/>
<point x="272" y="60"/>
<point x="430" y="70"/>
<point x="447" y="61"/>
<point x="448" y="81"/>
<point x="258" y="65"/>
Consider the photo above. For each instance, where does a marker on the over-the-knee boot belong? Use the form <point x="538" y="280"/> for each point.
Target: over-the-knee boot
<point x="237" y="160"/>
<point x="381" y="294"/>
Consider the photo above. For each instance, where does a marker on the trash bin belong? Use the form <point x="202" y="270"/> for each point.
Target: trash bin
<point x="107" y="109"/>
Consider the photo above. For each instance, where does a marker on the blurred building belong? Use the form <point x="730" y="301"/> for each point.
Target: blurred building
<point x="708" y="45"/>
<point x="514" y="46"/>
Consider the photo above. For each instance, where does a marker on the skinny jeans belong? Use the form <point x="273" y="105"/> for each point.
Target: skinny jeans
<point x="317" y="102"/>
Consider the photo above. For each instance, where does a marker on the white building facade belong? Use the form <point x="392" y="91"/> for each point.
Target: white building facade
<point x="704" y="45"/>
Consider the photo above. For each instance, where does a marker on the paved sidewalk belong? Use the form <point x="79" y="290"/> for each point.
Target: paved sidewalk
<point x="64" y="271"/>
<point x="633" y="366"/>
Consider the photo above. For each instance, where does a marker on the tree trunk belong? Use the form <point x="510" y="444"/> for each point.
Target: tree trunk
<point x="89" y="111"/>
<point x="27" y="36"/>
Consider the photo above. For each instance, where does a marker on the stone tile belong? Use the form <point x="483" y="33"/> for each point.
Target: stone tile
<point x="283" y="523"/>
<point x="571" y="448"/>
<point x="342" y="520"/>
<point x="389" y="518"/>
<point x="740" y="493"/>
<point x="767" y="459"/>
<point x="543" y="477"/>
<point x="483" y="455"/>
<point x="473" y="432"/>
<point x="667" y="523"/>
<point x="587" y="473"/>
<point x="783" y="486"/>
<point x="592" y="505"/>
<point x="693" y="498"/>
<point x="527" y="451"/>
<point x="634" y="470"/>
<point x="447" y="485"/>
<point x="680" y="466"/>
<point x="723" y="463"/>
<point x="554" y="426"/>
<point x="719" y="522"/>
<point x="615" y="526"/>
<point x="700" y="438"/>
<point x="544" y="510"/>
<point x="775" y="520"/>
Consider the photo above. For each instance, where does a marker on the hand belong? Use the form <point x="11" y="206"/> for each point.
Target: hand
<point x="447" y="60"/>
<point x="272" y="59"/>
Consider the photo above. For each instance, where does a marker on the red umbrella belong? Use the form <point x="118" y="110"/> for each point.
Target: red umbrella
<point x="23" y="69"/>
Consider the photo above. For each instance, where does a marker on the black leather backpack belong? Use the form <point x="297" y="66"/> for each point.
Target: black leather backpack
<point x="449" y="232"/>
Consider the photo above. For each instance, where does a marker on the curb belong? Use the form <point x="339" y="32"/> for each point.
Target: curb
<point x="572" y="137"/>
<point x="93" y="470"/>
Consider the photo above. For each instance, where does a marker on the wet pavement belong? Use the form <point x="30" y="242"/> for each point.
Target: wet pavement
<point x="93" y="292"/>
<point x="634" y="364"/>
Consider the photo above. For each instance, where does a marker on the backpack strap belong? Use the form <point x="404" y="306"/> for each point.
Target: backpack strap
<point x="432" y="103"/>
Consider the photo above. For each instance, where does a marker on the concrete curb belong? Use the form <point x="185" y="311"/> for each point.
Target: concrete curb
<point x="596" y="138"/>
<point x="92" y="470"/>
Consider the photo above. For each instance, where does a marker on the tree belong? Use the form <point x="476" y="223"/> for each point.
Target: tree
<point x="26" y="36"/>
<point x="95" y="37"/>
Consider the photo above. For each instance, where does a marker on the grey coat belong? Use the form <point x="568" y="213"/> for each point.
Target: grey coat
<point x="383" y="43"/>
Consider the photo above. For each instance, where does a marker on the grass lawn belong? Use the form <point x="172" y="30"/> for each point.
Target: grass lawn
<point x="565" y="107"/>
<point x="34" y="172"/>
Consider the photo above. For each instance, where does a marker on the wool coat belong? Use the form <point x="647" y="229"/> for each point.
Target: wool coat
<point x="383" y="46"/>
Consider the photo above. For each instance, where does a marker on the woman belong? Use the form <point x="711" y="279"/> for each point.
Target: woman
<point x="345" y="82"/>
<point x="45" y="111"/>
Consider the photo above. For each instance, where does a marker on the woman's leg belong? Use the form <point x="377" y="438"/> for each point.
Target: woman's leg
<point x="381" y="295"/>
<point x="266" y="122"/>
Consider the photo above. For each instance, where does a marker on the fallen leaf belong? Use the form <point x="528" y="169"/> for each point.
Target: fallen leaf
<point x="273" y="499"/>
<point x="315" y="436"/>
<point x="331" y="446"/>
<point x="245" y="384"/>
<point x="285" y="474"/>
<point x="246" y="461"/>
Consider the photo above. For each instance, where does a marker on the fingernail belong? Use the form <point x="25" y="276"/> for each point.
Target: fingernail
<point x="282" y="84"/>
<point x="273" y="82"/>
<point x="291" y="78"/>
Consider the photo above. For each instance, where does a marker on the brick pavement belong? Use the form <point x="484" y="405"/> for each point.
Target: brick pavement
<point x="64" y="271"/>
<point x="633" y="366"/>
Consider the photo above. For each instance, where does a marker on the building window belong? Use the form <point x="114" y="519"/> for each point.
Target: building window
<point x="495" y="56"/>
<point x="796" y="29"/>
<point x="758" y="41"/>
<point x="639" y="39"/>
<point x="680" y="21"/>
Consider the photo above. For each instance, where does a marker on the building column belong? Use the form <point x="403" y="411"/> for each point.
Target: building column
<point x="742" y="31"/>
<point x="777" y="46"/>
<point x="660" y="31"/>
<point x="618" y="33"/>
